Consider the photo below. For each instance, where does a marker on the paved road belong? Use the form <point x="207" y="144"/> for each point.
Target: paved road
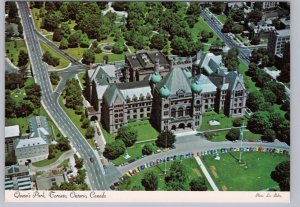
<point x="196" y="143"/>
<point x="50" y="103"/>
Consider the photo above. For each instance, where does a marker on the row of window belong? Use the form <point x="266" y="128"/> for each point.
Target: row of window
<point x="138" y="116"/>
<point x="139" y="104"/>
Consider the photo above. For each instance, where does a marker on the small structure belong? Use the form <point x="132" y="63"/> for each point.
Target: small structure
<point x="17" y="178"/>
<point x="47" y="182"/>
<point x="12" y="133"/>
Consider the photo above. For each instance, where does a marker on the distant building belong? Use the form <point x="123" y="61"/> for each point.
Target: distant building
<point x="236" y="5"/>
<point x="264" y="5"/>
<point x="261" y="30"/>
<point x="143" y="63"/>
<point x="39" y="127"/>
<point x="285" y="23"/>
<point x="46" y="183"/>
<point x="17" y="178"/>
<point x="277" y="41"/>
<point x="210" y="63"/>
<point x="34" y="149"/>
<point x="12" y="133"/>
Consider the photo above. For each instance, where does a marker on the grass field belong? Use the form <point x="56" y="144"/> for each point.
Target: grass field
<point x="63" y="62"/>
<point x="38" y="21"/>
<point x="225" y="122"/>
<point x="190" y="164"/>
<point x="222" y="18"/>
<point x="46" y="162"/>
<point x="13" y="48"/>
<point x="200" y="26"/>
<point x="254" y="176"/>
<point x="144" y="126"/>
<point x="221" y="136"/>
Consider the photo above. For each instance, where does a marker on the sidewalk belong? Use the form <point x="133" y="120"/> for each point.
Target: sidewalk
<point x="207" y="175"/>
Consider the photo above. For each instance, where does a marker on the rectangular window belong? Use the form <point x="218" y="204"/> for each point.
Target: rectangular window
<point x="148" y="109"/>
<point x="134" y="116"/>
<point x="142" y="115"/>
<point x="141" y="110"/>
<point x="148" y="114"/>
<point x="166" y="113"/>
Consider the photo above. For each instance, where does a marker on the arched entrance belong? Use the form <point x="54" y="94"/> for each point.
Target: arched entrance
<point x="174" y="127"/>
<point x="94" y="118"/>
<point x="181" y="126"/>
<point x="189" y="125"/>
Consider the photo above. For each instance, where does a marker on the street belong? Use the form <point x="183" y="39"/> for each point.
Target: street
<point x="50" y="103"/>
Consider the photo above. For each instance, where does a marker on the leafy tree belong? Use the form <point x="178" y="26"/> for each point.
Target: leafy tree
<point x="78" y="162"/>
<point x="252" y="69"/>
<point x="231" y="60"/>
<point x="24" y="108"/>
<point x="283" y="132"/>
<point x="23" y="58"/>
<point x="65" y="30"/>
<point x="85" y="124"/>
<point x="198" y="184"/>
<point x="63" y="44"/>
<point x="238" y="122"/>
<point x="78" y="110"/>
<point x="118" y="47"/>
<point x="33" y="93"/>
<point x="269" y="135"/>
<point x="49" y="59"/>
<point x="147" y="149"/>
<point x="150" y="181"/>
<point x="217" y="8"/>
<point x="51" y="20"/>
<point x="233" y="134"/>
<point x="165" y="139"/>
<point x="278" y="89"/>
<point x="285" y="73"/>
<point x="255" y="40"/>
<point x="227" y="27"/>
<point x="114" y="150"/>
<point x="177" y="177"/>
<point x="254" y="100"/>
<point x="281" y="175"/>
<point x="285" y="105"/>
<point x="72" y="94"/>
<point x="128" y="135"/>
<point x="90" y="132"/>
<point x="237" y="15"/>
<point x="63" y="144"/>
<point x="265" y="106"/>
<point x="54" y="78"/>
<point x="10" y="105"/>
<point x="269" y="95"/>
<point x="185" y="47"/>
<point x="13" y="80"/>
<point x="74" y="39"/>
<point x="193" y="9"/>
<point x="237" y="28"/>
<point x="158" y="41"/>
<point x="259" y="122"/>
<point x="88" y="57"/>
<point x="57" y="36"/>
<point x="81" y="175"/>
<point x="254" y="16"/>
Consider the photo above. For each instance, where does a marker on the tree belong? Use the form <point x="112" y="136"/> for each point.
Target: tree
<point x="269" y="135"/>
<point x="283" y="132"/>
<point x="269" y="95"/>
<point x="165" y="139"/>
<point x="24" y="108"/>
<point x="255" y="40"/>
<point x="231" y="60"/>
<point x="237" y="28"/>
<point x="157" y="41"/>
<point x="33" y="93"/>
<point x="118" y="47"/>
<point x="54" y="78"/>
<point x="238" y="122"/>
<point x="217" y="8"/>
<point x="227" y="27"/>
<point x="49" y="59"/>
<point x="85" y="123"/>
<point x="254" y="100"/>
<point x="63" y="144"/>
<point x="10" y="105"/>
<point x="237" y="15"/>
<point x="128" y="135"/>
<point x="57" y="36"/>
<point x="254" y="16"/>
<point x="285" y="73"/>
<point x="198" y="184"/>
<point x="147" y="149"/>
<point x="233" y="134"/>
<point x="114" y="150"/>
<point x="193" y="9"/>
<point x="65" y="30"/>
<point x="281" y="175"/>
<point x="88" y="56"/>
<point x="78" y="162"/>
<point x="177" y="177"/>
<point x="150" y="181"/>
<point x="259" y="122"/>
<point x="63" y="44"/>
<point x="74" y="39"/>
<point x="51" y="20"/>
<point x="81" y="175"/>
<point x="278" y="89"/>
<point x="23" y="58"/>
<point x="90" y="132"/>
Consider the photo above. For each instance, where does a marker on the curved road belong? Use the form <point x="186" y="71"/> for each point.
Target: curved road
<point x="94" y="169"/>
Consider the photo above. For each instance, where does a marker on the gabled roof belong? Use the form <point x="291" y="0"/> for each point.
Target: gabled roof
<point x="205" y="82"/>
<point x="111" y="94"/>
<point x="176" y="80"/>
<point x="231" y="80"/>
<point x="32" y="142"/>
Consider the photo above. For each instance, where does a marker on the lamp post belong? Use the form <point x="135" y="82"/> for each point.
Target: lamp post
<point x="241" y="138"/>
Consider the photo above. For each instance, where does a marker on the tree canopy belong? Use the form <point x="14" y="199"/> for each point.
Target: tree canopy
<point x="128" y="135"/>
<point x="150" y="181"/>
<point x="281" y="175"/>
<point x="165" y="139"/>
<point x="114" y="149"/>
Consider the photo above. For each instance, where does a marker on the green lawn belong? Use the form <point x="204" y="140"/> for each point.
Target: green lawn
<point x="75" y="52"/>
<point x="46" y="162"/>
<point x="72" y="115"/>
<point x="144" y="126"/>
<point x="64" y="164"/>
<point x="222" y="18"/>
<point x="190" y="164"/>
<point x="250" y="85"/>
<point x="200" y="26"/>
<point x="107" y="136"/>
<point x="135" y="153"/>
<point x="63" y="62"/>
<point x="38" y="21"/>
<point x="13" y="48"/>
<point x="111" y="57"/>
<point x="92" y="143"/>
<point x="50" y="37"/>
<point x="225" y="121"/>
<point x="221" y="136"/>
<point x="81" y="78"/>
<point x="254" y="176"/>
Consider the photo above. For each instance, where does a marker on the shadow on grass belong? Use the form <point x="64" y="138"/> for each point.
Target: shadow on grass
<point x="236" y="159"/>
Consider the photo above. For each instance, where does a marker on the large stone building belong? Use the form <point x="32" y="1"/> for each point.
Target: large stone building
<point x="277" y="41"/>
<point x="172" y="96"/>
<point x="12" y="133"/>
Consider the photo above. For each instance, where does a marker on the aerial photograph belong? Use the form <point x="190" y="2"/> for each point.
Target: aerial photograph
<point x="147" y="96"/>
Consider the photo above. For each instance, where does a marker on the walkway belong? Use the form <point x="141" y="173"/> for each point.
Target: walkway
<point x="66" y="155"/>
<point x="207" y="175"/>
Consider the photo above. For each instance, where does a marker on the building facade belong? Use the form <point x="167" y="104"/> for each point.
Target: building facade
<point x="277" y="41"/>
<point x="12" y="133"/>
<point x="17" y="178"/>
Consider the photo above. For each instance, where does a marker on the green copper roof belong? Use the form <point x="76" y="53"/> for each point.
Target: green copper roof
<point x="188" y="73"/>
<point x="164" y="91"/>
<point x="196" y="87"/>
<point x="155" y="77"/>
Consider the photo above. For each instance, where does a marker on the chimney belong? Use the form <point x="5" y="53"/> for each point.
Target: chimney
<point x="223" y="81"/>
<point x="156" y="69"/>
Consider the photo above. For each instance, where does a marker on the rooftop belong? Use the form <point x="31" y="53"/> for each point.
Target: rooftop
<point x="12" y="131"/>
<point x="32" y="142"/>
<point x="46" y="183"/>
<point x="283" y="32"/>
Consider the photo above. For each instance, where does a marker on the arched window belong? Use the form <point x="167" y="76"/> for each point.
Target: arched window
<point x="188" y="111"/>
<point x="120" y="115"/>
<point x="198" y="102"/>
<point x="116" y="115"/>
<point x="180" y="112"/>
<point x="173" y="112"/>
<point x="166" y="106"/>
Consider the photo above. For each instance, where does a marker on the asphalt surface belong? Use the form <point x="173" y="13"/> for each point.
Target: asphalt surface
<point x="94" y="169"/>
